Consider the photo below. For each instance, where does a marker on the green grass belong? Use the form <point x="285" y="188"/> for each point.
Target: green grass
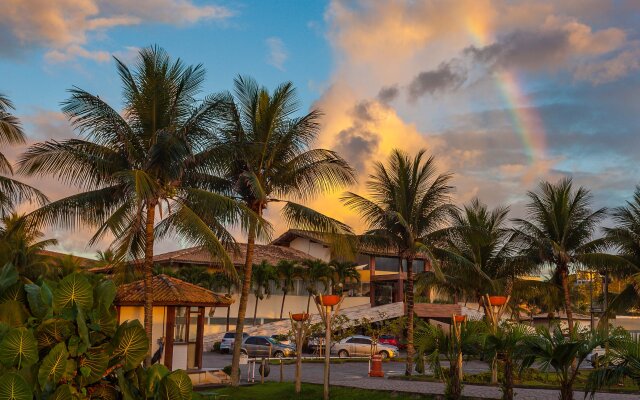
<point x="283" y="391"/>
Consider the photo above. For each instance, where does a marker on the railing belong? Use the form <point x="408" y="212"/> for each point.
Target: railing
<point x="265" y="362"/>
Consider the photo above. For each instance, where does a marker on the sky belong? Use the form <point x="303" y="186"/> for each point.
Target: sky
<point x="504" y="93"/>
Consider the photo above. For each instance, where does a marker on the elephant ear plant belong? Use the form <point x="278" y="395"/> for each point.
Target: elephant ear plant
<point x="60" y="340"/>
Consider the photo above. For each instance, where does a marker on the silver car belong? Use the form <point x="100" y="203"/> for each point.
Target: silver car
<point x="360" y="346"/>
<point x="266" y="346"/>
<point x="226" y="345"/>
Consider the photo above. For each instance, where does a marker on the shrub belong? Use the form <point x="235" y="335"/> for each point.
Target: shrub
<point x="227" y="370"/>
<point x="216" y="347"/>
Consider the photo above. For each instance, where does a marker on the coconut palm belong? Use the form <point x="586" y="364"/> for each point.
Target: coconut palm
<point x="558" y="230"/>
<point x="344" y="274"/>
<point x="508" y="344"/>
<point x="288" y="271"/>
<point x="409" y="204"/>
<point x="316" y="271"/>
<point x="21" y="245"/>
<point x="267" y="155"/>
<point x="144" y="173"/>
<point x="625" y="239"/>
<point x="261" y="277"/>
<point x="12" y="192"/>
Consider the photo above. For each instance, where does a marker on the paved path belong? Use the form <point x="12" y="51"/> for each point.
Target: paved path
<point x="355" y="375"/>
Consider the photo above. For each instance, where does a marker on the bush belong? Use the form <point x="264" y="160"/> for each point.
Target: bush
<point x="216" y="347"/>
<point x="227" y="370"/>
<point x="60" y="340"/>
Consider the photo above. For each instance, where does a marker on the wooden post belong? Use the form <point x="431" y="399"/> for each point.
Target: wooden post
<point x="300" y="330"/>
<point x="327" y="318"/>
<point x="494" y="313"/>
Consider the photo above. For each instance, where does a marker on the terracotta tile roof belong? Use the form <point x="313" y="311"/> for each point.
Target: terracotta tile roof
<point x="168" y="291"/>
<point x="428" y="310"/>
<point x="82" y="261"/>
<point x="199" y="255"/>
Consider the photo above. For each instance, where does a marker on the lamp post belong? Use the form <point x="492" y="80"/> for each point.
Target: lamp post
<point x="301" y="328"/>
<point x="495" y="307"/>
<point x="325" y="304"/>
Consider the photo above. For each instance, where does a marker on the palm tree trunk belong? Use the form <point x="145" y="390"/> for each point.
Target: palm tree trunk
<point x="148" y="278"/>
<point x="507" y="389"/>
<point x="244" y="298"/>
<point x="564" y="276"/>
<point x="255" y="310"/>
<point x="228" y="310"/>
<point x="409" y="297"/>
<point x="284" y="296"/>
<point x="308" y="302"/>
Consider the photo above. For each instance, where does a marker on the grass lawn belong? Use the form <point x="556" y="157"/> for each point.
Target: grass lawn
<point x="283" y="391"/>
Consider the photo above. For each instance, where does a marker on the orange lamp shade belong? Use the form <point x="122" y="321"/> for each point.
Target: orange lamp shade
<point x="329" y="299"/>
<point x="459" y="318"/>
<point x="497" y="300"/>
<point x="300" y="317"/>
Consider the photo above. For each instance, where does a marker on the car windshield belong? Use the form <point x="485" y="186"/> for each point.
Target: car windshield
<point x="229" y="335"/>
<point x="272" y="340"/>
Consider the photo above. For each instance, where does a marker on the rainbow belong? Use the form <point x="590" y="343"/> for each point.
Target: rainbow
<point x="525" y="118"/>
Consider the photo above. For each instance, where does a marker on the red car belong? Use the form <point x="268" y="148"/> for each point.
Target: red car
<point x="389" y="339"/>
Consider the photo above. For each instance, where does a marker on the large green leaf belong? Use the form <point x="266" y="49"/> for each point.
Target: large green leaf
<point x="53" y="331"/>
<point x="182" y="380"/>
<point x="36" y="304"/>
<point x="169" y="390"/>
<point x="8" y="276"/>
<point x="18" y="348"/>
<point x="14" y="387"/>
<point x="104" y="293"/>
<point x="94" y="365"/>
<point x="63" y="392"/>
<point x="104" y="320"/>
<point x="83" y="332"/>
<point x="103" y="392"/>
<point x="132" y="344"/>
<point x="14" y="292"/>
<point x="13" y="313"/>
<point x="155" y="373"/>
<point x="73" y="290"/>
<point x="53" y="365"/>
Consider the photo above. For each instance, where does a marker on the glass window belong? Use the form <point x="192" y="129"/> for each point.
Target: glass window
<point x="262" y="341"/>
<point x="252" y="340"/>
<point x="352" y="340"/>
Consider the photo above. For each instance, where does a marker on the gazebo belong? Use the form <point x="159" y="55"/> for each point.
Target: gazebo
<point x="178" y="317"/>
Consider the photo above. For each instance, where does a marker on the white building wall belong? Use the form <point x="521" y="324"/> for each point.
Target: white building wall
<point x="312" y="248"/>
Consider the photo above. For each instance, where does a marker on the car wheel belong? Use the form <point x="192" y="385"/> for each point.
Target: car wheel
<point x="278" y="354"/>
<point x="384" y="355"/>
<point x="343" y="354"/>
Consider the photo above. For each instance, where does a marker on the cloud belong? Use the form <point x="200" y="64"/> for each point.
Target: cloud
<point x="610" y="69"/>
<point x="448" y="76"/>
<point x="65" y="28"/>
<point x="277" y="52"/>
<point x="388" y="93"/>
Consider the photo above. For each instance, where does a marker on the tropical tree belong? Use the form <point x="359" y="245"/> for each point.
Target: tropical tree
<point x="344" y="274"/>
<point x="12" y="192"/>
<point x="21" y="245"/>
<point x="144" y="173"/>
<point x="558" y="230"/>
<point x="409" y="204"/>
<point x="316" y="272"/>
<point x="267" y="155"/>
<point x="557" y="352"/>
<point x="261" y="277"/>
<point x="622" y="361"/>
<point x="287" y="271"/>
<point x="508" y="344"/>
<point x="624" y="238"/>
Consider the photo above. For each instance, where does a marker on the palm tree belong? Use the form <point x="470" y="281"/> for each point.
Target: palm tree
<point x="623" y="360"/>
<point x="12" y="192"/>
<point x="261" y="277"/>
<point x="557" y="232"/>
<point x="345" y="273"/>
<point x="508" y="344"/>
<point x="317" y="271"/>
<point x="409" y="204"/>
<point x="21" y="245"/>
<point x="222" y="281"/>
<point x="625" y="239"/>
<point x="288" y="271"/>
<point x="150" y="161"/>
<point x="266" y="154"/>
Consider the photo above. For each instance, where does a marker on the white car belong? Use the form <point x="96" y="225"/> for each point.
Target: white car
<point x="226" y="345"/>
<point x="359" y="345"/>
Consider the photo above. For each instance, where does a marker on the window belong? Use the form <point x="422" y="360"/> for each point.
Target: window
<point x="252" y="340"/>
<point x="352" y="340"/>
<point x="229" y="335"/>
<point x="362" y="341"/>
<point x="262" y="341"/>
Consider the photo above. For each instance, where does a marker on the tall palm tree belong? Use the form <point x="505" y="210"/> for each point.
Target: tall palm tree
<point x="317" y="271"/>
<point x="409" y="204"/>
<point x="261" y="277"/>
<point x="12" y="192"/>
<point x="558" y="230"/>
<point x="625" y="239"/>
<point x="145" y="165"/>
<point x="288" y="271"/>
<point x="345" y="273"/>
<point x="267" y="155"/>
<point x="478" y="251"/>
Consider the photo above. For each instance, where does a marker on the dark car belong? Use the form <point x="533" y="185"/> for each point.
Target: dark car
<point x="266" y="346"/>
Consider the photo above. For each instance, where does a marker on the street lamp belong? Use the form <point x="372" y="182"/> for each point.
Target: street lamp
<point x="495" y="307"/>
<point x="325" y="304"/>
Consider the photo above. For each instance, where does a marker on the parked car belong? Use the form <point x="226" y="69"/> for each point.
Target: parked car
<point x="226" y="345"/>
<point x="388" y="339"/>
<point x="266" y="346"/>
<point x="361" y="346"/>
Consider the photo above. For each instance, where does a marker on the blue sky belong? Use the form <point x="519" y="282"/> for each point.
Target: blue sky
<point x="478" y="83"/>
